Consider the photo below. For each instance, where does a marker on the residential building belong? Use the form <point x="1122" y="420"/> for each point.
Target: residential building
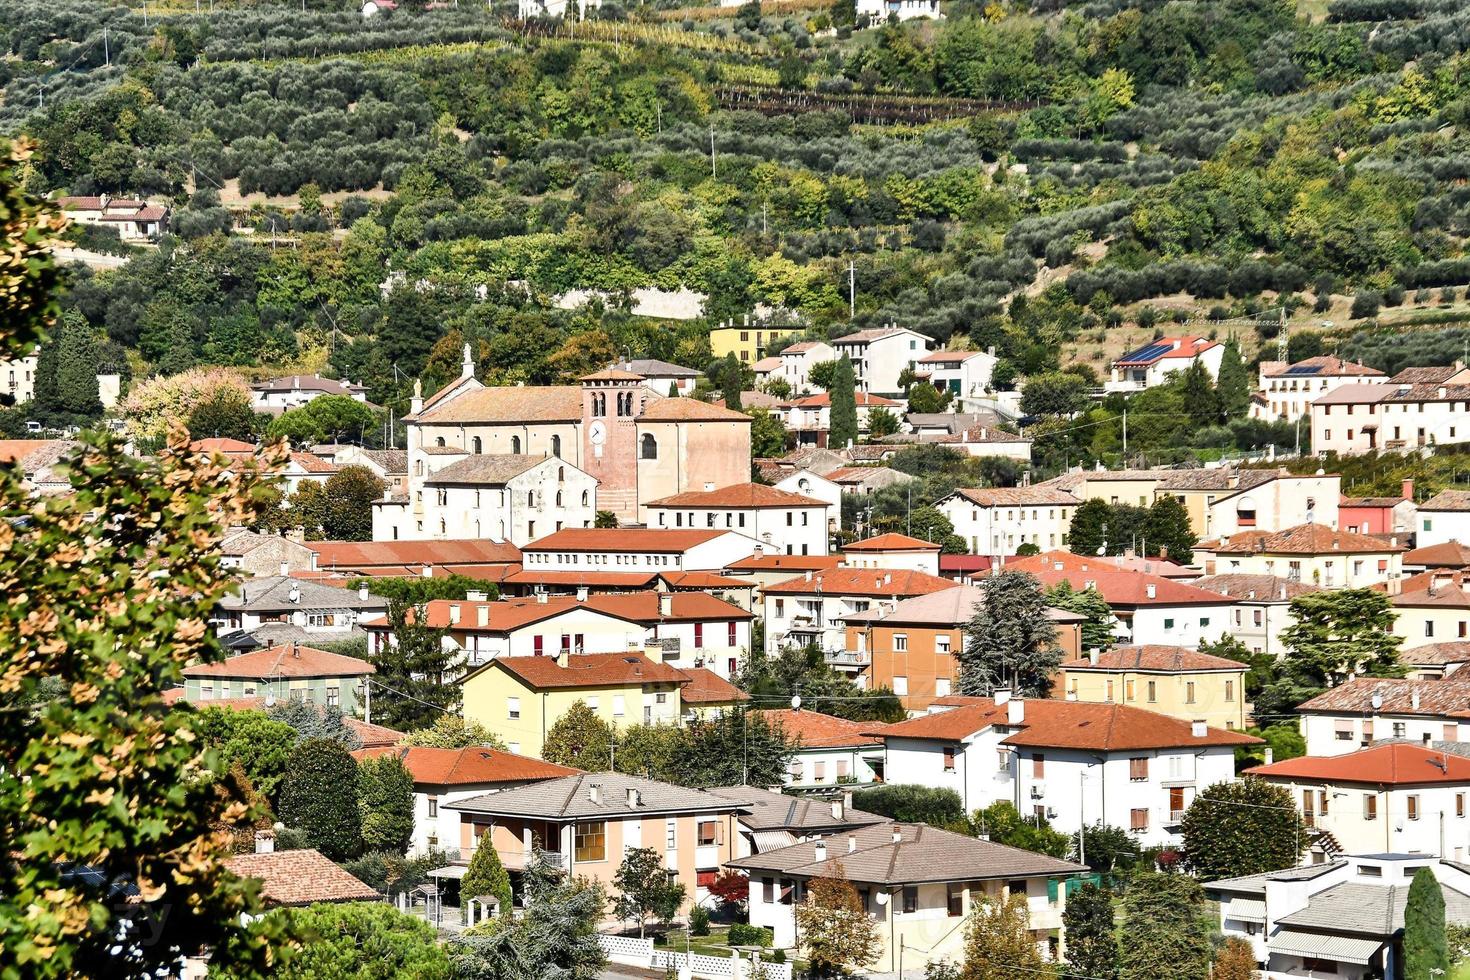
<point x="762" y="570"/>
<point x="794" y="364"/>
<point x="878" y="11"/>
<point x="1175" y="681"/>
<point x="134" y="220"/>
<point x="809" y="610"/>
<point x="1075" y="763"/>
<point x="18" y="379"/>
<point x="918" y="883"/>
<point x="260" y="555"/>
<point x="910" y="648"/>
<point x="1444" y="518"/>
<point x="1390" y="798"/>
<point x="1435" y="661"/>
<point x="1449" y="554"/>
<point x="521" y="698"/>
<point x="808" y="419"/>
<point x="663" y="377"/>
<point x="965" y="374"/>
<point x="709" y="695"/>
<point x="388" y="465"/>
<point x="781" y="521"/>
<point x="286" y="673"/>
<point x="588" y="821"/>
<point x="626" y="549"/>
<point x="997" y="521"/>
<point x="315" y="607"/>
<point x="774" y="820"/>
<point x="880" y="355"/>
<point x="474" y="558"/>
<point x="1262" y="607"/>
<point x="747" y="341"/>
<point x="1434" y="611"/>
<point x="1362" y="710"/>
<point x="1344" y="918"/>
<point x="893" y="551"/>
<point x="1151" y="364"/>
<point x="1149" y="609"/>
<point x="1311" y="553"/>
<point x="554" y="9"/>
<point x="1286" y="391"/>
<point x="1380" y="515"/>
<point x="500" y="497"/>
<point x="636" y="445"/>
<point x="297" y="878"/>
<point x="681" y="629"/>
<point x="443" y="776"/>
<point x="277" y="395"/>
<point x="1421" y="406"/>
<point x="830" y="751"/>
<point x="808" y="484"/>
<point x="866" y="479"/>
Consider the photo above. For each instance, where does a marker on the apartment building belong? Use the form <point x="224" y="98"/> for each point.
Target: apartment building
<point x="811" y="609"/>
<point x="783" y="522"/>
<point x="1418" y="407"/>
<point x="1362" y="710"/>
<point x="1312" y="553"/>
<point x="996" y="521"/>
<point x="881" y="354"/>
<point x="1262" y="607"/>
<point x="1286" y="391"/>
<point x="1176" y="681"/>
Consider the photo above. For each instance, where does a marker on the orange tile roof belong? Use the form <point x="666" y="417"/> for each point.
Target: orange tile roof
<point x="1304" y="539"/>
<point x="604" y="580"/>
<point x="892" y="542"/>
<point x="513" y="405"/>
<point x="612" y="374"/>
<point x="1450" y="554"/>
<point x="707" y="687"/>
<point x="1154" y="657"/>
<point x="284" y="661"/>
<point x="227" y="446"/>
<point x="863" y="399"/>
<point x="586" y="670"/>
<point x="468" y="766"/>
<point x="14" y="449"/>
<point x="1448" y="698"/>
<point x="817" y="730"/>
<point x="689" y="410"/>
<point x="312" y="463"/>
<point x="365" y="554"/>
<point x="507" y="615"/>
<point x="1118" y="586"/>
<point x="740" y="495"/>
<point x="781" y="563"/>
<point x="302" y="877"/>
<point x="1435" y="590"/>
<point x="624" y="539"/>
<point x="1394" y="763"/>
<point x="703" y="580"/>
<point x="1037" y="496"/>
<point x="863" y="581"/>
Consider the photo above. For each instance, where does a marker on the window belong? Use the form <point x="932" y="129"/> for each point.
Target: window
<point x="671" y="835"/>
<point x="900" y="685"/>
<point x="941" y="687"/>
<point x="768" y="890"/>
<point x="648" y="447"/>
<point x="1128" y="690"/>
<point x="941" y="643"/>
<point x="1459" y="804"/>
<point x="556" y="448"/>
<point x="433" y="806"/>
<point x="949" y="758"/>
<point x="699" y="634"/>
<point x="590" y="843"/>
<point x="1153" y="691"/>
<point x="513" y="708"/>
<point x="900" y="642"/>
<point x="334" y="697"/>
<point x="1038" y="766"/>
<point x="1189" y="692"/>
<point x="1413" y="802"/>
<point x="955" y="899"/>
<point x="515" y="445"/>
<point x="1138" y="769"/>
<point x="1370" y="871"/>
<point x="1370" y="806"/>
<point x="709" y="831"/>
<point x="1400" y="729"/>
<point x="819" y="771"/>
<point x="618" y="705"/>
<point x="910" y="899"/>
<point x="1138" y="819"/>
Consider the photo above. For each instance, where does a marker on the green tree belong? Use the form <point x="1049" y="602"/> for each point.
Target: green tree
<point x="556" y="937"/>
<point x="837" y="935"/>
<point x="731" y="748"/>
<point x="1105" y="847"/>
<point x="606" y="518"/>
<point x="1088" y="531"/>
<point x="929" y="524"/>
<point x="1092" y="938"/>
<point x="258" y="744"/>
<point x="843" y="428"/>
<point x="327" y="418"/>
<point x="1055" y="394"/>
<point x="881" y="422"/>
<point x="1169" y="929"/>
<point x="1003" y="823"/>
<point x="453" y="732"/>
<point x="362" y="940"/>
<point x="350" y="493"/>
<point x="1334" y="634"/>
<point x="581" y="739"/>
<point x="319" y="798"/>
<point x="385" y="795"/>
<point x="911" y="803"/>
<point x="1201" y="402"/>
<point x="998" y="940"/>
<point x="767" y="434"/>
<point x="66" y="372"/>
<point x="486" y="875"/>
<point x="645" y="890"/>
<point x="309" y="720"/>
<point x="1010" y="643"/>
<point x="1168" y="531"/>
<point x="1242" y="827"/>
<point x="926" y="399"/>
<point x="1426" y="953"/>
<point x="411" y="688"/>
<point x="1233" y="382"/>
<point x="1097" y="630"/>
<point x="822" y="374"/>
<point x="224" y="415"/>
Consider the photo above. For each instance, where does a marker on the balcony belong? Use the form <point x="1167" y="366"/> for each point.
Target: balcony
<point x="848" y="658"/>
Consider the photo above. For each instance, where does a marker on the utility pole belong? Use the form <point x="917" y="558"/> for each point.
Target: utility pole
<point x="1282" y="337"/>
<point x="1125" y="436"/>
<point x="106" y="51"/>
<point x="851" y="290"/>
<point x="712" y="152"/>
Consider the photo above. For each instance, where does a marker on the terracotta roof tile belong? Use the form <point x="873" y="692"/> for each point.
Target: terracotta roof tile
<point x="227" y="446"/>
<point x="707" y="687"/>
<point x="1118" y="586"/>
<point x="485" y="469"/>
<point x="689" y="410"/>
<point x="468" y="766"/>
<point x="1326" y="365"/>
<point x="283" y="661"/>
<point x="1304" y="539"/>
<point x="300" y="878"/>
<point x="506" y="615"/>
<point x="488" y="406"/>
<point x="1450" y="554"/>
<point x="1448" y="698"/>
<point x="783" y="563"/>
<point x="863" y="399"/>
<point x="892" y="542"/>
<point x="1395" y="763"/>
<point x="1263" y="588"/>
<point x="1437" y="654"/>
<point x="623" y="539"/>
<point x="817" y="730"/>
<point x="1154" y="657"/>
<point x="1037" y="496"/>
<point x="740" y="495"/>
<point x="862" y="581"/>
<point x="587" y="670"/>
<point x="1451" y="500"/>
<point x="366" y="554"/>
<point x="612" y="374"/>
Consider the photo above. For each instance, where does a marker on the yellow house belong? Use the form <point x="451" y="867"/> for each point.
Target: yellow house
<point x="1174" y="681"/>
<point x="1310" y="553"/>
<point x="747" y="341"/>
<point x="520" y="698"/>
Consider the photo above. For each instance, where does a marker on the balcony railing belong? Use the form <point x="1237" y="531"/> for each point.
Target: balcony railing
<point x="848" y="658"/>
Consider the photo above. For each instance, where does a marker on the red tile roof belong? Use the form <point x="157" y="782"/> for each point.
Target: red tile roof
<point x="892" y="542"/>
<point x="300" y="878"/>
<point x="227" y="446"/>
<point x="623" y="539"/>
<point x="14" y="449"/>
<point x="689" y="410"/>
<point x="1304" y="539"/>
<point x="862" y="581"/>
<point x="312" y="463"/>
<point x="1435" y="590"/>
<point x="1448" y="698"/>
<point x="740" y="495"/>
<point x="1154" y="657"/>
<point x="283" y="661"/>
<point x="467" y="767"/>
<point x="819" y="731"/>
<point x="587" y="670"/>
<point x="707" y="687"/>
<point x="1174" y="347"/>
<point x="1118" y="586"/>
<point x="1394" y="763"/>
<point x="703" y="580"/>
<point x="505" y="615"/>
<point x="366" y="554"/>
<point x="824" y="400"/>
<point x="783" y="563"/>
<point x="1450" y="554"/>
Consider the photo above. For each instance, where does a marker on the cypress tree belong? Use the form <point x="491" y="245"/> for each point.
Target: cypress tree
<point x="1426" y="954"/>
<point x="1092" y="941"/>
<point x="385" y="791"/>
<point x="844" y="427"/>
<point x="319" y="797"/>
<point x="1233" y="382"/>
<point x="410" y="687"/>
<point x="486" y="876"/>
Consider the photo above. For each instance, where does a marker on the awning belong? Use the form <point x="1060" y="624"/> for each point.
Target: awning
<point x="1343" y="949"/>
<point x="771" y="840"/>
<point x="1246" y="910"/>
<point x="455" y="871"/>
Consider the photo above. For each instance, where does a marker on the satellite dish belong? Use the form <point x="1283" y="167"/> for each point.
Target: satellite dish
<point x="795" y="702"/>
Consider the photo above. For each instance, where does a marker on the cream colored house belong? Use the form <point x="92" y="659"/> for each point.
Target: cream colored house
<point x="1175" y="681"/>
<point x="1311" y="553"/>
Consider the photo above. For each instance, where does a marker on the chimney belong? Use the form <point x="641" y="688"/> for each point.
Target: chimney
<point x="482" y="615"/>
<point x="581" y="593"/>
<point x="427" y="571"/>
<point x="1002" y="695"/>
<point x="1092" y="656"/>
<point x="296" y="381"/>
<point x="296" y="649"/>
<point x="1197" y="729"/>
<point x="851" y="843"/>
<point x="633" y="797"/>
<point x="1151" y="591"/>
<point x="1270" y="755"/>
<point x="1407" y="490"/>
<point x="887" y="578"/>
<point x="837" y="809"/>
<point x="709" y="486"/>
<point x="285" y="568"/>
<point x="1414" y="699"/>
<point x="665" y="604"/>
<point x="265" y="841"/>
<point x="820" y="851"/>
<point x="897" y="834"/>
<point x="541" y="597"/>
<point x="454" y="614"/>
<point x="1015" y="711"/>
<point x="594" y="792"/>
<point x="362" y="593"/>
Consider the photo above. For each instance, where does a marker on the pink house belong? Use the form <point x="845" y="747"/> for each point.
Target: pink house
<point x="1378" y="515"/>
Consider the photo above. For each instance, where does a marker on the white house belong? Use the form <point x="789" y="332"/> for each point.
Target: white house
<point x="1262" y="607"/>
<point x="965" y="374"/>
<point x="880" y="355"/>
<point x="878" y="11"/>
<point x="294" y="390"/>
<point x="808" y="610"/>
<point x="442" y="776"/>
<point x="832" y="751"/>
<point x="663" y="377"/>
<point x="997" y="521"/>
<point x="809" y="419"/>
<point x="1286" y="391"/>
<point x="1418" y="407"/>
<point x="785" y="522"/>
<point x="312" y="606"/>
<point x="1075" y="763"/>
<point x="794" y="364"/>
<point x="1433" y="608"/>
<point x="893" y="551"/>
<point x="630" y="548"/>
<point x="527" y="9"/>
<point x="1358" y="712"/>
<point x="18" y="379"/>
<point x="1151" y="364"/>
<point x="502" y="497"/>
<point x="1443" y="518"/>
<point x="773" y="820"/>
<point x="1312" y="553"/>
<point x="135" y="220"/>
<point x="816" y="486"/>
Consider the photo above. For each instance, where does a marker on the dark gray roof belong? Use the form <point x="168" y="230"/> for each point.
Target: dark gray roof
<point x="483" y="470"/>
<point x="1256" y="884"/>
<point x="1369" y="910"/>
<point x="923" y="854"/>
<point x="273" y="592"/>
<point x="652" y="368"/>
<point x="570" y="798"/>
<point x="800" y="814"/>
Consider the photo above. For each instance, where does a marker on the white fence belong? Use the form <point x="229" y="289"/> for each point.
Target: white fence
<point x="631" y="951"/>
<point x="627" y="950"/>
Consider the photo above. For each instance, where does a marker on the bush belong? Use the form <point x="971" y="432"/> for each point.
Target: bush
<point x="911" y="804"/>
<point x="699" y="921"/>
<point x="1366" y="304"/>
<point x="744" y="935"/>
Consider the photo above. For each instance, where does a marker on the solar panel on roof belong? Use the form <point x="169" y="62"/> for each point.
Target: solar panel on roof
<point x="1303" y="369"/>
<point x="1148" y="353"/>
